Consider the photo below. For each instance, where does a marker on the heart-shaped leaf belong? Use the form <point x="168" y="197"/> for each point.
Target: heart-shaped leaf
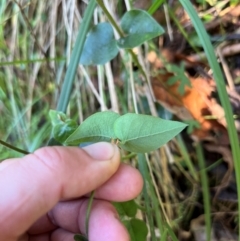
<point x="100" y="45"/>
<point x="138" y="26"/>
<point x="145" y="133"/>
<point x="97" y="127"/>
<point x="137" y="229"/>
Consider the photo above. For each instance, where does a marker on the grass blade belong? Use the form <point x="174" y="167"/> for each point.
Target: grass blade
<point x="147" y="201"/>
<point x="205" y="188"/>
<point x="74" y="61"/>
<point x="154" y="7"/>
<point x="142" y="163"/>
<point x="186" y="157"/>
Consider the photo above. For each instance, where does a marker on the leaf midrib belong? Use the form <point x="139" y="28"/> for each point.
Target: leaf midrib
<point x="144" y="136"/>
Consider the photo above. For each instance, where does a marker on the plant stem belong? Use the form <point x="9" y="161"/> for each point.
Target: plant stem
<point x="205" y="188"/>
<point x="13" y="147"/>
<point x="148" y="205"/>
<point x="74" y="61"/>
<point x="110" y="18"/>
<point x="90" y="202"/>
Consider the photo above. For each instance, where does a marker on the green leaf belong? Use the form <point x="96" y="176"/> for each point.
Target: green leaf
<point x="145" y="133"/>
<point x="57" y="117"/>
<point x="97" y="127"/>
<point x="2" y="94"/>
<point x="53" y="142"/>
<point x="63" y="130"/>
<point x="179" y="76"/>
<point x="138" y="27"/>
<point x="172" y="80"/>
<point x="128" y="208"/>
<point x="100" y="45"/>
<point x="192" y="125"/>
<point x="137" y="229"/>
<point x="63" y="127"/>
<point x="80" y="237"/>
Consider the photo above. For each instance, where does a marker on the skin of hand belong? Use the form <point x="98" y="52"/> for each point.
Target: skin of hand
<point x="44" y="195"/>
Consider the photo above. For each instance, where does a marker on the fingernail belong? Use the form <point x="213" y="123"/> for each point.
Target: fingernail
<point x="101" y="150"/>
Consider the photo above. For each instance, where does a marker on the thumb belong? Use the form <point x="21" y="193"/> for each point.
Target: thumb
<point x="32" y="185"/>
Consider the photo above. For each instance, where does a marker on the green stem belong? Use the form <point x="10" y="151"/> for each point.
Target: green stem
<point x="13" y="147"/>
<point x="74" y="61"/>
<point x="205" y="188"/>
<point x="90" y="202"/>
<point x="181" y="29"/>
<point x="147" y="182"/>
<point x="110" y="18"/>
<point x="154" y="7"/>
<point x="29" y="61"/>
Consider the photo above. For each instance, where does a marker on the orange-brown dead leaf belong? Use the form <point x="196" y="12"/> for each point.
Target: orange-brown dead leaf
<point x="194" y="104"/>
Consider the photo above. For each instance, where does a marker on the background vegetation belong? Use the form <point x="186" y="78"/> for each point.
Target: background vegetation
<point x="191" y="190"/>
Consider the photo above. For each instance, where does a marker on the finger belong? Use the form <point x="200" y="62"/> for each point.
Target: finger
<point x="61" y="235"/>
<point x="41" y="237"/>
<point x="124" y="185"/>
<point x="104" y="223"/>
<point x="31" y="186"/>
<point x="43" y="225"/>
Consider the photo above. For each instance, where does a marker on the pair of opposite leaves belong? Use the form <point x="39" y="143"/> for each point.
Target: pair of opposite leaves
<point x="101" y="46"/>
<point x="134" y="132"/>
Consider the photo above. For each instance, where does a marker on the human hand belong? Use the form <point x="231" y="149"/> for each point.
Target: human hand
<point x="43" y="196"/>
